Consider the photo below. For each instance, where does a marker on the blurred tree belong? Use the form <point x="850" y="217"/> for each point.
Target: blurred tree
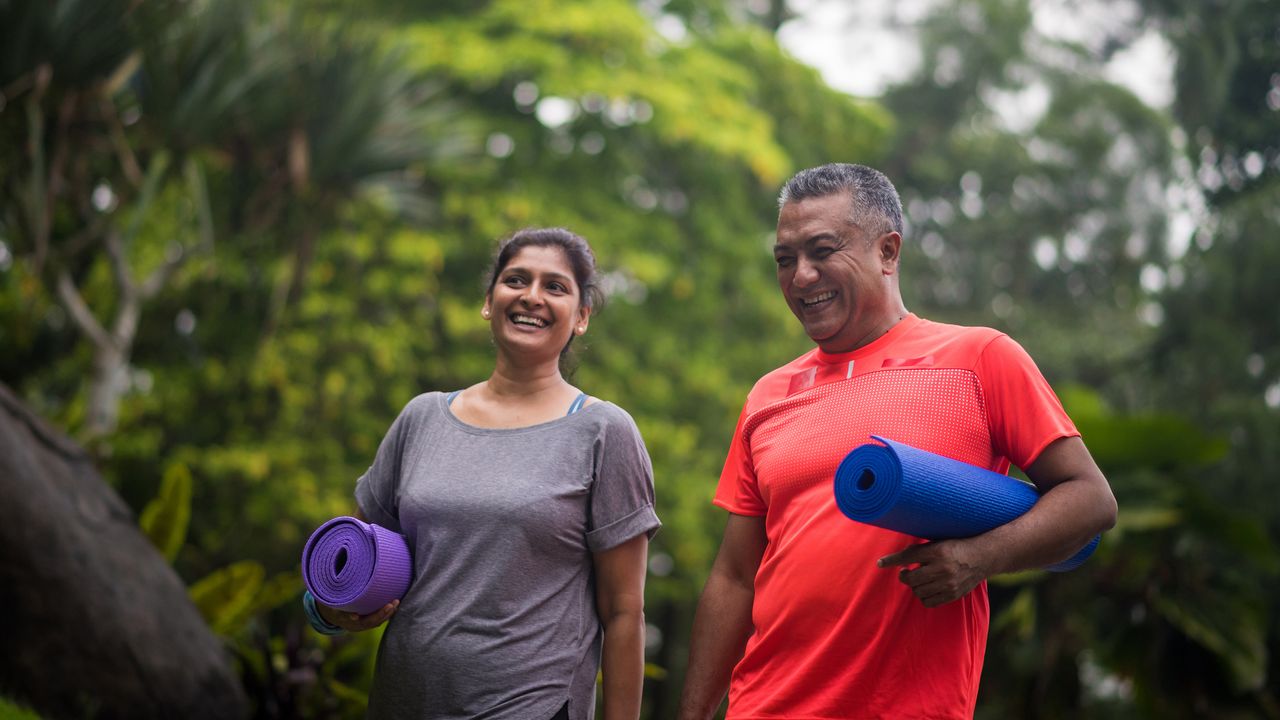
<point x="1217" y="352"/>
<point x="1034" y="191"/>
<point x="108" y="158"/>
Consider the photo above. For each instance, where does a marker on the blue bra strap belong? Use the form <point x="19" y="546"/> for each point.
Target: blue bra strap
<point x="450" y="397"/>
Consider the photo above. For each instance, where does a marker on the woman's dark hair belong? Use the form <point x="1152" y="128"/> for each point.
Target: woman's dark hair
<point x="576" y="251"/>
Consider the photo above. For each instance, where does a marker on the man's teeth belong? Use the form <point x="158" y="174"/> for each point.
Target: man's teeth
<point x="528" y="320"/>
<point x="819" y="298"/>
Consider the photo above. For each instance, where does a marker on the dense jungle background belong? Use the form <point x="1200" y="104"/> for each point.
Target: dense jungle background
<point x="237" y="237"/>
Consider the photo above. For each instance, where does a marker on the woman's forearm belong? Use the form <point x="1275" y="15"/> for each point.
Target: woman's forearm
<point x="622" y="665"/>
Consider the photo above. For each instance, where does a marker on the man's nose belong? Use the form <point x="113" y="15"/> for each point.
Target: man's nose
<point x="806" y="273"/>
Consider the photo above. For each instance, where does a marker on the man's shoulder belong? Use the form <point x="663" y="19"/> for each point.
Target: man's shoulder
<point x="942" y="330"/>
<point x="962" y="340"/>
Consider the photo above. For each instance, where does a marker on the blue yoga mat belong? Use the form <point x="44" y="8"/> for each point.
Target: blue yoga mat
<point x="912" y="491"/>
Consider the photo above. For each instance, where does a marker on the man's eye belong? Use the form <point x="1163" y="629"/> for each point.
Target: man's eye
<point x="822" y="252"/>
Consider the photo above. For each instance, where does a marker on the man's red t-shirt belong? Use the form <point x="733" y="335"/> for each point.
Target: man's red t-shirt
<point x="834" y="636"/>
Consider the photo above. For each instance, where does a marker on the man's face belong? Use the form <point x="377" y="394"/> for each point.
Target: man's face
<point x="836" y="280"/>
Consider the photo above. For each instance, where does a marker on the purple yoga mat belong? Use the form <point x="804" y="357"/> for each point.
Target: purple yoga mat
<point x="356" y="566"/>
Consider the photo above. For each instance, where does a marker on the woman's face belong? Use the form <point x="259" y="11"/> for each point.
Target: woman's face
<point x="535" y="304"/>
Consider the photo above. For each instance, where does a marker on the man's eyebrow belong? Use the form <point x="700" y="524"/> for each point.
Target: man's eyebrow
<point x="809" y="240"/>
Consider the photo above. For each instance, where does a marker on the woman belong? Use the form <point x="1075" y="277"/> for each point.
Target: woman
<point x="528" y="506"/>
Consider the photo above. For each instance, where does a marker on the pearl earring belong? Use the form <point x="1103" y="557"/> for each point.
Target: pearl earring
<point x="485" y="313"/>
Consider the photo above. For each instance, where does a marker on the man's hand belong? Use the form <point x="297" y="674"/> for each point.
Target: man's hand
<point x="354" y="622"/>
<point x="937" y="572"/>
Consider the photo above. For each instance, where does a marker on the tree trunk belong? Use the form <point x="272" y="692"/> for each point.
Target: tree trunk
<point x="109" y="382"/>
<point x="97" y="625"/>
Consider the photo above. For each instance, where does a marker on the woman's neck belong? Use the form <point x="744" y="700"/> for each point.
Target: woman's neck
<point x="515" y="382"/>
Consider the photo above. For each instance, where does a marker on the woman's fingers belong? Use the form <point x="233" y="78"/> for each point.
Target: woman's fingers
<point x="355" y="622"/>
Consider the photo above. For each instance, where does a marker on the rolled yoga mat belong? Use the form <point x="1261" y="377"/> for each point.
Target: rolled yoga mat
<point x="356" y="566"/>
<point x="901" y="488"/>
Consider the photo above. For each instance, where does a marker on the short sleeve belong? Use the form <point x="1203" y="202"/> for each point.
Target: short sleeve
<point x="1024" y="413"/>
<point x="738" y="491"/>
<point x="622" y="496"/>
<point x="378" y="490"/>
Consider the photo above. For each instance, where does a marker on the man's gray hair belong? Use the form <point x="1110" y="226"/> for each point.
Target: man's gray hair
<point x="876" y="207"/>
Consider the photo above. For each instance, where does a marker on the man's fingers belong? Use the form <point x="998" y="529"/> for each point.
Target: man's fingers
<point x="905" y="556"/>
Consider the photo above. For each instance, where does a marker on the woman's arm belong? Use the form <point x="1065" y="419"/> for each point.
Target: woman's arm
<point x="620" y="573"/>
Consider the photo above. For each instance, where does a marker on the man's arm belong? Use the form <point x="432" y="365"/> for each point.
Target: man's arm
<point x="1075" y="504"/>
<point x="723" y="620"/>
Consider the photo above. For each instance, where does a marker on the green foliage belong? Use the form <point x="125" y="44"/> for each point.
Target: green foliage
<point x="165" y="518"/>
<point x="10" y="711"/>
<point x="1129" y="444"/>
<point x="1182" y="569"/>
<point x="319" y="169"/>
<point x="226" y="596"/>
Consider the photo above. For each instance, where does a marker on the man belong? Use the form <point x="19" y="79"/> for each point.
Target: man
<point x="807" y="614"/>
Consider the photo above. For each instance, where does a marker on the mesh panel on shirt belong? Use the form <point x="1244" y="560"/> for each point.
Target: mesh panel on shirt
<point x="799" y="441"/>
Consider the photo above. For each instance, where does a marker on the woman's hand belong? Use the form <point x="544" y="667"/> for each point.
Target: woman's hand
<point x="354" y="622"/>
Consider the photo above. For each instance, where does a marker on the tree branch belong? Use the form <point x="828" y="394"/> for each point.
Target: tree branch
<point x="81" y="314"/>
<point x="119" y="265"/>
<point x="128" y="161"/>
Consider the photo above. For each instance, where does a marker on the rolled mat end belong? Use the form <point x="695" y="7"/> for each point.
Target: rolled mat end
<point x="356" y="566"/>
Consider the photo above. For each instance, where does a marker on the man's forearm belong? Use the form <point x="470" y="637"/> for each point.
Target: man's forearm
<point x="720" y="631"/>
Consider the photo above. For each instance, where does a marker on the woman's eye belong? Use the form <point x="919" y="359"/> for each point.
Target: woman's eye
<point x="784" y="261"/>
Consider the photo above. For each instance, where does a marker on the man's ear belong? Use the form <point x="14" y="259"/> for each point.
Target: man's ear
<point x="889" y="245"/>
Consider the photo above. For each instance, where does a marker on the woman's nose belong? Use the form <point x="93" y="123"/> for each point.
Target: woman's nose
<point x="532" y="294"/>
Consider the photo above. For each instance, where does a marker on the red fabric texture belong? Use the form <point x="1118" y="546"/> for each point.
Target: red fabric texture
<point x="835" y="636"/>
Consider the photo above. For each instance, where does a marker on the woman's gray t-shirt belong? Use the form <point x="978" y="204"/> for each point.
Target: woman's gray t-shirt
<point x="500" y="620"/>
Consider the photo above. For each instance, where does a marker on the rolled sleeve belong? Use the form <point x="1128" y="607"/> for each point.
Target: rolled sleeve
<point x="622" y="495"/>
<point x="641" y="520"/>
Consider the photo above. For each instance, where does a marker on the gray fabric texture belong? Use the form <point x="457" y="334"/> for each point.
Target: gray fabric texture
<point x="500" y="620"/>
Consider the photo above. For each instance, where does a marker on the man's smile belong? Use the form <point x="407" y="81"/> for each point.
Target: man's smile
<point x="816" y="300"/>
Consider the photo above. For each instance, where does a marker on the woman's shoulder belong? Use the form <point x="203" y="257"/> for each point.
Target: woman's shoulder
<point x="609" y="415"/>
<point x="423" y="405"/>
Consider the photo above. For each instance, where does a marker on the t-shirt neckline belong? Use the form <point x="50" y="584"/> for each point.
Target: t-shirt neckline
<point x="479" y="430"/>
<point x="906" y="323"/>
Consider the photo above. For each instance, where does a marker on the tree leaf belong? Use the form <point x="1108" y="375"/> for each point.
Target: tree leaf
<point x="166" y="517"/>
<point x="226" y="595"/>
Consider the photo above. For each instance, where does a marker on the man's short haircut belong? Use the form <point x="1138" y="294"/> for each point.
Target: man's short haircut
<point x="876" y="207"/>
